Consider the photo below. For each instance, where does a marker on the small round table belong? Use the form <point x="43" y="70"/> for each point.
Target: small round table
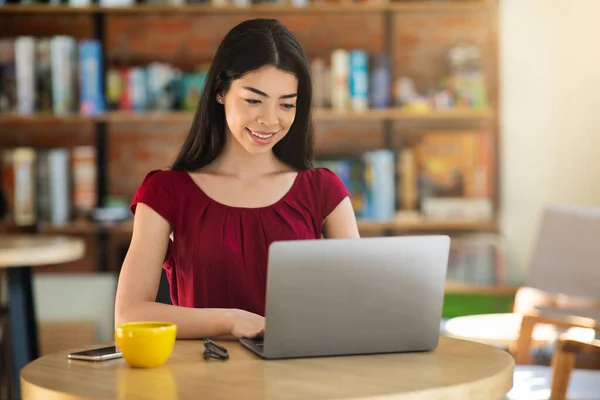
<point x="457" y="369"/>
<point x="18" y="254"/>
<point x="503" y="330"/>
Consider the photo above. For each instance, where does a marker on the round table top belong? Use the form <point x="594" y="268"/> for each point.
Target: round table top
<point x="457" y="369"/>
<point x="34" y="250"/>
<point x="503" y="330"/>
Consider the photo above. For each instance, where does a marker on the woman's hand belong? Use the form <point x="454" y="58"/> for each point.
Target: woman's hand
<point x="246" y="324"/>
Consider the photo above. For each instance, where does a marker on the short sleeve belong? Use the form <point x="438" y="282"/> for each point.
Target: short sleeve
<point x="332" y="191"/>
<point x="154" y="191"/>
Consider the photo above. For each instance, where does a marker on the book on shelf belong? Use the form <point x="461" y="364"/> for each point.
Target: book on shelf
<point x="63" y="70"/>
<point x="25" y="67"/>
<point x="478" y="259"/>
<point x="48" y="186"/>
<point x="50" y="74"/>
<point x="370" y="182"/>
<point x="68" y="73"/>
<point x="8" y="79"/>
<point x="441" y="177"/>
<point x="91" y="77"/>
<point x="454" y="173"/>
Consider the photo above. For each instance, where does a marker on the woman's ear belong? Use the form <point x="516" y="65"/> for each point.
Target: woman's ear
<point x="219" y="98"/>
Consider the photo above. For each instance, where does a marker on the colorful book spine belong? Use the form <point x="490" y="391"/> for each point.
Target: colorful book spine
<point x="381" y="82"/>
<point x="43" y="186"/>
<point x="340" y="96"/>
<point x="60" y="188"/>
<point x="380" y="176"/>
<point x="90" y="78"/>
<point x="8" y="80"/>
<point x="43" y="76"/>
<point x="359" y="80"/>
<point x="25" y="73"/>
<point x="24" y="201"/>
<point x="114" y="89"/>
<point x="126" y="102"/>
<point x="84" y="180"/>
<point x="137" y="86"/>
<point x="317" y="72"/>
<point x="62" y="51"/>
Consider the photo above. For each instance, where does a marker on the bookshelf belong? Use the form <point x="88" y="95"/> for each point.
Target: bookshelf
<point x="333" y="7"/>
<point x="390" y="114"/>
<point x="366" y="227"/>
<point x="388" y="120"/>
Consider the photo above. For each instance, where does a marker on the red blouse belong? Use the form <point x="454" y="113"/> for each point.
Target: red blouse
<point x="218" y="256"/>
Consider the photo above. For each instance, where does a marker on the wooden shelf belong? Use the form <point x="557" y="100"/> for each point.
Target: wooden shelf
<point x="406" y="6"/>
<point x="87" y="227"/>
<point x="400" y="114"/>
<point x="149" y="116"/>
<point x="45" y="118"/>
<point x="425" y="226"/>
<point x="397" y="114"/>
<point x="471" y="288"/>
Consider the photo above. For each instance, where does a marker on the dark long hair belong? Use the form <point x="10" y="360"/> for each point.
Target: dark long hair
<point x="247" y="47"/>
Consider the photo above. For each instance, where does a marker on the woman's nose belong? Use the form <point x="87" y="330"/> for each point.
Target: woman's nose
<point x="268" y="117"/>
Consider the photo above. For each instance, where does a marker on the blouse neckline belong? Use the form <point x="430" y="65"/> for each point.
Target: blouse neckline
<point x="212" y="200"/>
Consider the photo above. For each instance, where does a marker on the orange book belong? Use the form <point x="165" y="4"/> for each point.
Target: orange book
<point x="446" y="164"/>
<point x="484" y="166"/>
<point x="84" y="179"/>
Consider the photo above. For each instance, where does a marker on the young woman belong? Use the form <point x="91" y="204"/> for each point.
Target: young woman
<point x="243" y="179"/>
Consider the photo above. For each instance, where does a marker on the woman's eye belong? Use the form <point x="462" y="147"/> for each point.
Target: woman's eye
<point x="288" y="106"/>
<point x="252" y="101"/>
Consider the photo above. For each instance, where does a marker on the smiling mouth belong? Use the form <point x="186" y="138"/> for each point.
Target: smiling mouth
<point x="261" y="135"/>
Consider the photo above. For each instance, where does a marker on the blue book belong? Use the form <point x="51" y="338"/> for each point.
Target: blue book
<point x="359" y="80"/>
<point x="138" y="88"/>
<point x="381" y="81"/>
<point x="381" y="185"/>
<point x="90" y="78"/>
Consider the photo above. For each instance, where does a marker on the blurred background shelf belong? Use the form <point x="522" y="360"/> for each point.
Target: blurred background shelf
<point x="430" y="129"/>
<point x="478" y="289"/>
<point x="389" y="114"/>
<point x="90" y="227"/>
<point x="252" y="9"/>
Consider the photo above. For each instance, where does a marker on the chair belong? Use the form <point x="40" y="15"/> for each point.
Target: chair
<point x="563" y="364"/>
<point x="562" y="292"/>
<point x="564" y="267"/>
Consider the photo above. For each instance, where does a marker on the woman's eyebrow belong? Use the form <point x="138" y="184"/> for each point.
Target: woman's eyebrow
<point x="285" y="96"/>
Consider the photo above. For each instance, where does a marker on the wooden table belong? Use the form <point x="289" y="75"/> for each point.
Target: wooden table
<point x="503" y="330"/>
<point x="18" y="254"/>
<point x="457" y="369"/>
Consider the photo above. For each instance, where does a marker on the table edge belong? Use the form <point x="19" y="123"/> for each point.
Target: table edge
<point x="504" y="379"/>
<point x="71" y="249"/>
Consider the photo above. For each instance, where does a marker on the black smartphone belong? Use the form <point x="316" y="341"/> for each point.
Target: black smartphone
<point x="98" y="354"/>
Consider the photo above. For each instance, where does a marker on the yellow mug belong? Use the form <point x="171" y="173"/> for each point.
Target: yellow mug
<point x="146" y="344"/>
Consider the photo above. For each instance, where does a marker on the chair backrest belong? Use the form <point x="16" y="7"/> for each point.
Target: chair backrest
<point x="566" y="259"/>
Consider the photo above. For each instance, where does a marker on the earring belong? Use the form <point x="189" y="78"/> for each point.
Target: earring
<point x="220" y="101"/>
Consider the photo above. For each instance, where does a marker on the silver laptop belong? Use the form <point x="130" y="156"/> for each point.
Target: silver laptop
<point x="353" y="296"/>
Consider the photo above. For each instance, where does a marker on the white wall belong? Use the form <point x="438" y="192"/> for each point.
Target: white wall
<point x="550" y="113"/>
<point x="77" y="297"/>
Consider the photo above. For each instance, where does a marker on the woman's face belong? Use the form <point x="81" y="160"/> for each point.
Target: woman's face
<point x="260" y="108"/>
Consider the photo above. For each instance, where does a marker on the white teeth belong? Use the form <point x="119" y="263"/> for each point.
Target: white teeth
<point x="259" y="135"/>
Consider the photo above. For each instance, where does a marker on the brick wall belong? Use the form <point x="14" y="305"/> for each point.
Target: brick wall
<point x="421" y="39"/>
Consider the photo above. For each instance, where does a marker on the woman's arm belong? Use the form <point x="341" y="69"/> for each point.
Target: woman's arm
<point x="341" y="222"/>
<point x="139" y="280"/>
